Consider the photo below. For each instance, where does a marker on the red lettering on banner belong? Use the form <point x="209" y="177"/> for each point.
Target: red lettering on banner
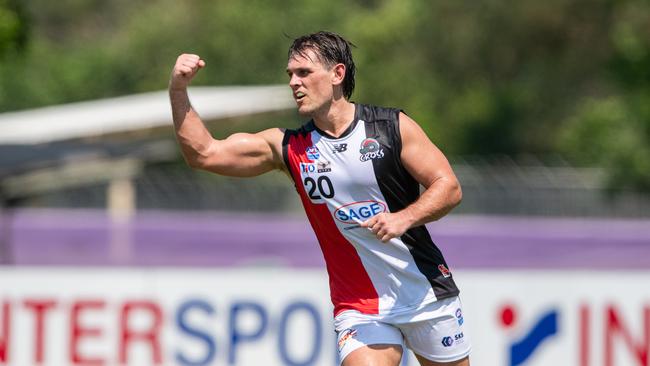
<point x="77" y="331"/>
<point x="151" y="335"/>
<point x="614" y="326"/>
<point x="585" y="329"/>
<point x="4" y="338"/>
<point x="40" y="308"/>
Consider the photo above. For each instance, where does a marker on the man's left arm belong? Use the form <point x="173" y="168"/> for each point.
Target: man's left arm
<point x="429" y="166"/>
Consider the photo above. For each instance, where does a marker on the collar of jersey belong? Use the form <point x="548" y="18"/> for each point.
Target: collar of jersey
<point x="347" y="132"/>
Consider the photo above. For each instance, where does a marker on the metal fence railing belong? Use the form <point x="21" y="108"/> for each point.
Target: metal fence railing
<point x="490" y="186"/>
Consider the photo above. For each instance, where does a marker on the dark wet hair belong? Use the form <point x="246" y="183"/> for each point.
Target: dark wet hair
<point x="331" y="49"/>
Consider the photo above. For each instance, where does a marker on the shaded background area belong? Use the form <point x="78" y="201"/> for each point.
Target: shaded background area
<point x="566" y="81"/>
<point x="543" y="109"/>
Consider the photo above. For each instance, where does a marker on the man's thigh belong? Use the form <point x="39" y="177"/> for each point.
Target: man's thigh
<point x="424" y="362"/>
<point x="375" y="355"/>
<point x="370" y="343"/>
<point x="441" y="340"/>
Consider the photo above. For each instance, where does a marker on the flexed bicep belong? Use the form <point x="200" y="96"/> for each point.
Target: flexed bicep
<point x="240" y="155"/>
<point x="243" y="154"/>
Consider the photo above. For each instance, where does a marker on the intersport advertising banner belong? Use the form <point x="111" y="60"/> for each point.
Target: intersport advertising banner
<point x="271" y="316"/>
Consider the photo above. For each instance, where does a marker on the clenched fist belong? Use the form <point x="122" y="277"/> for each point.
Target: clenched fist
<point x="388" y="225"/>
<point x="187" y="65"/>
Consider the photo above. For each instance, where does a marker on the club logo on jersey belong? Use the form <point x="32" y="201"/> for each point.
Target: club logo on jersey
<point x="307" y="167"/>
<point x="312" y="153"/>
<point x="459" y="316"/>
<point x="356" y="212"/>
<point x="323" y="166"/>
<point x="345" y="335"/>
<point x="339" y="148"/>
<point x="370" y="149"/>
<point x="445" y="272"/>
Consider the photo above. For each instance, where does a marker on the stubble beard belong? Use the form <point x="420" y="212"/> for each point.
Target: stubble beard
<point x="314" y="111"/>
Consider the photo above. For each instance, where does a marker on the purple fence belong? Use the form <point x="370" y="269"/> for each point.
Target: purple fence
<point x="91" y="238"/>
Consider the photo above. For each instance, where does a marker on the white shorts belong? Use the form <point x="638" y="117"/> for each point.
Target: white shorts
<point x="438" y="333"/>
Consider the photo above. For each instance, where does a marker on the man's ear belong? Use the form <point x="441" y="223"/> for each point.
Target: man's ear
<point x="339" y="74"/>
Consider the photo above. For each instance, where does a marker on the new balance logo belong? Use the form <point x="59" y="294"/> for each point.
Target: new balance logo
<point x="339" y="148"/>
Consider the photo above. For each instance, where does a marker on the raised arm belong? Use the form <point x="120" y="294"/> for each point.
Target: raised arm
<point x="241" y="154"/>
<point x="428" y="165"/>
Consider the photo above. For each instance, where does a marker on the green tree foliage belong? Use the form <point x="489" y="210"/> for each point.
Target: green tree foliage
<point x="481" y="76"/>
<point x="611" y="127"/>
<point x="13" y="26"/>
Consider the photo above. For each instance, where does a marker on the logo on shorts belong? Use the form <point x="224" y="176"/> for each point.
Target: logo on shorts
<point x="447" y="342"/>
<point x="345" y="335"/>
<point x="459" y="316"/>
<point x="445" y="272"/>
<point x="370" y="149"/>
<point x="312" y="153"/>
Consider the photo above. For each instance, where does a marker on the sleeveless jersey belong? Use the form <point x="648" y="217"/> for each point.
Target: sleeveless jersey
<point x="343" y="182"/>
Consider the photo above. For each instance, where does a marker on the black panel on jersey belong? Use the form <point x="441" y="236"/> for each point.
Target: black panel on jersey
<point x="400" y="189"/>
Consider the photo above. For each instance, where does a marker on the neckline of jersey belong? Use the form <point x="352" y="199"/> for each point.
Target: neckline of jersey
<point x="348" y="130"/>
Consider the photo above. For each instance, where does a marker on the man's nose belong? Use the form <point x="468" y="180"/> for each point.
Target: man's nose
<point x="294" y="80"/>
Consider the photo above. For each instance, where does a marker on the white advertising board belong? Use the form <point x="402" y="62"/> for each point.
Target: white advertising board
<point x="77" y="316"/>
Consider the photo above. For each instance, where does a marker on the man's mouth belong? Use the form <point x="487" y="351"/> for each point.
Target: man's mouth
<point x="299" y="95"/>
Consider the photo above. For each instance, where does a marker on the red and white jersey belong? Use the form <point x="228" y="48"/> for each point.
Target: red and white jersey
<point x="343" y="182"/>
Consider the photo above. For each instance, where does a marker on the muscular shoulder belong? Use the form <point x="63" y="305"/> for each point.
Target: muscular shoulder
<point x="409" y="129"/>
<point x="273" y="137"/>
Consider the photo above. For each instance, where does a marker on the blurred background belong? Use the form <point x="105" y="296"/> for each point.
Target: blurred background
<point x="113" y="251"/>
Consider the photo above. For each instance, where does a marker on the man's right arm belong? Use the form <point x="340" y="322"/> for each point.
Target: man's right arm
<point x="241" y="154"/>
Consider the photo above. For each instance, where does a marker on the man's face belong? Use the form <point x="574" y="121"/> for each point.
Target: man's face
<point x="311" y="82"/>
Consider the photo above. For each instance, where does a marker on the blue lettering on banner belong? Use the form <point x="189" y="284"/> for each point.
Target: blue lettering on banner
<point x="545" y="327"/>
<point x="282" y="336"/>
<point x="356" y="212"/>
<point x="236" y="336"/>
<point x="250" y="322"/>
<point x="182" y="322"/>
